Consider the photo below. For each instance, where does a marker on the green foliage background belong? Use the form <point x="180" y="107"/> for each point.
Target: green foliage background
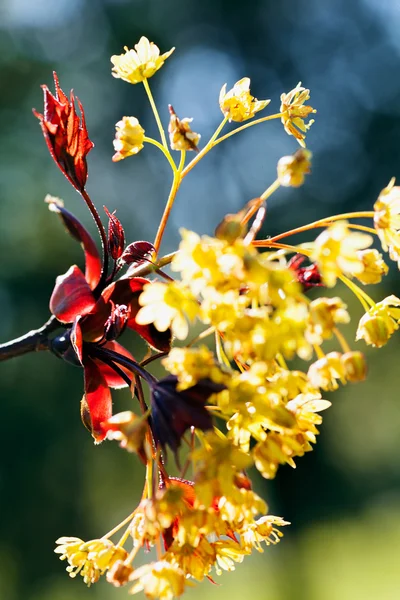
<point x="343" y="499"/>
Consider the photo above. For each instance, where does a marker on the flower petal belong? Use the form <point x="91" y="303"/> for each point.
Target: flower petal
<point x="79" y="233"/>
<point x="71" y="296"/>
<point x="98" y="399"/>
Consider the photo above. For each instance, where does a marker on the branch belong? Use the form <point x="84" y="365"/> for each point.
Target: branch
<point x="33" y="341"/>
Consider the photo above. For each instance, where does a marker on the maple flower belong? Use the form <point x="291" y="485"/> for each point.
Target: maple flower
<point x="378" y="324"/>
<point x="137" y="65"/>
<point x="325" y="314"/>
<point x="374" y="266"/>
<point x="238" y="104"/>
<point x="168" y="305"/>
<point x="336" y="252"/>
<point x="192" y="364"/>
<point x="291" y="169"/>
<point x="93" y="322"/>
<point x="161" y="580"/>
<point x="181" y="136"/>
<point x="262" y="530"/>
<point x="324" y="372"/>
<point x="387" y="219"/>
<point x="294" y="112"/>
<point x="65" y="134"/>
<point x="129" y="138"/>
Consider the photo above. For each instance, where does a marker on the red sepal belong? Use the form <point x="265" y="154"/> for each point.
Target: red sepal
<point x="116" y="235"/>
<point x="79" y="233"/>
<point x="98" y="399"/>
<point x="71" y="296"/>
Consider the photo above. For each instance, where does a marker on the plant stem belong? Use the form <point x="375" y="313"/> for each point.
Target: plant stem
<point x="323" y="223"/>
<point x="156" y="115"/>
<point x="165" y="152"/>
<point x="33" y="341"/>
<point x="167" y="210"/>
<point x="103" y="236"/>
<point x="210" y="144"/>
<point x="243" y="127"/>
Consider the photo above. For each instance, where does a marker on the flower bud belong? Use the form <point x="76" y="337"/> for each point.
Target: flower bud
<point x="355" y="366"/>
<point x="291" y="169"/>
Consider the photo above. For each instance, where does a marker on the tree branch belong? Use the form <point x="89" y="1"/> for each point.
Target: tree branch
<point x="33" y="341"/>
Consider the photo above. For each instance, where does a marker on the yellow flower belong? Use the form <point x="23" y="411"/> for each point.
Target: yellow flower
<point x="325" y="314"/>
<point x="380" y="322"/>
<point x="181" y="136"/>
<point x="336" y="252"/>
<point x="215" y="466"/>
<point x="387" y="219"/>
<point x="374" y="266"/>
<point x="262" y="530"/>
<point x="291" y="169"/>
<point x="89" y="559"/>
<point x="128" y="139"/>
<point x="294" y="112"/>
<point x="139" y="64"/>
<point x="192" y="364"/>
<point x="160" y="580"/>
<point x="130" y="431"/>
<point x="227" y="553"/>
<point x="238" y="104"/>
<point x="277" y="449"/>
<point x="195" y="561"/>
<point x="167" y="305"/>
<point x="324" y="372"/>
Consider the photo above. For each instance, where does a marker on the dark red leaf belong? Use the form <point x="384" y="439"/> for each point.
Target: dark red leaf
<point x="98" y="399"/>
<point x="65" y="134"/>
<point x="116" y="235"/>
<point x="138" y="253"/>
<point x="79" y="233"/>
<point x="72" y="296"/>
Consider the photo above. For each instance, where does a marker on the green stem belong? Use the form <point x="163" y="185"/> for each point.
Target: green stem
<point x="211" y="142"/>
<point x="243" y="127"/>
<point x="156" y="115"/>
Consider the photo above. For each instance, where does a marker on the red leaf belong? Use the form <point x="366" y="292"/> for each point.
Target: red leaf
<point x="79" y="233"/>
<point x="116" y="236"/>
<point x="72" y="296"/>
<point x="112" y="378"/>
<point x="138" y="253"/>
<point x="98" y="398"/>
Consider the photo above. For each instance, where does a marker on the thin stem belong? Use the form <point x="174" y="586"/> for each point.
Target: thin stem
<point x="167" y="210"/>
<point x="342" y="340"/>
<point x="269" y="244"/>
<point x="149" y="360"/>
<point x="210" y="144"/>
<point x="260" y="201"/>
<point x="163" y="150"/>
<point x="243" y="127"/>
<point x="182" y="161"/>
<point x="201" y="336"/>
<point x="103" y="236"/>
<point x="323" y="223"/>
<point x="36" y="340"/>
<point x="360" y="291"/>
<point x="363" y="228"/>
<point x="156" y="115"/>
<point x="118" y="527"/>
<point x="355" y="289"/>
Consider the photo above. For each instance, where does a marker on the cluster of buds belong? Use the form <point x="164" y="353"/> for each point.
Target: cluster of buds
<point x="248" y="297"/>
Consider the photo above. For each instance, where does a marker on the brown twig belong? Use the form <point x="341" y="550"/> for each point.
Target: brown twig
<point x="33" y="341"/>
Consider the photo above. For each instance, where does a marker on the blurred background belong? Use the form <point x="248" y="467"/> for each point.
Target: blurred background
<point x="344" y="498"/>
